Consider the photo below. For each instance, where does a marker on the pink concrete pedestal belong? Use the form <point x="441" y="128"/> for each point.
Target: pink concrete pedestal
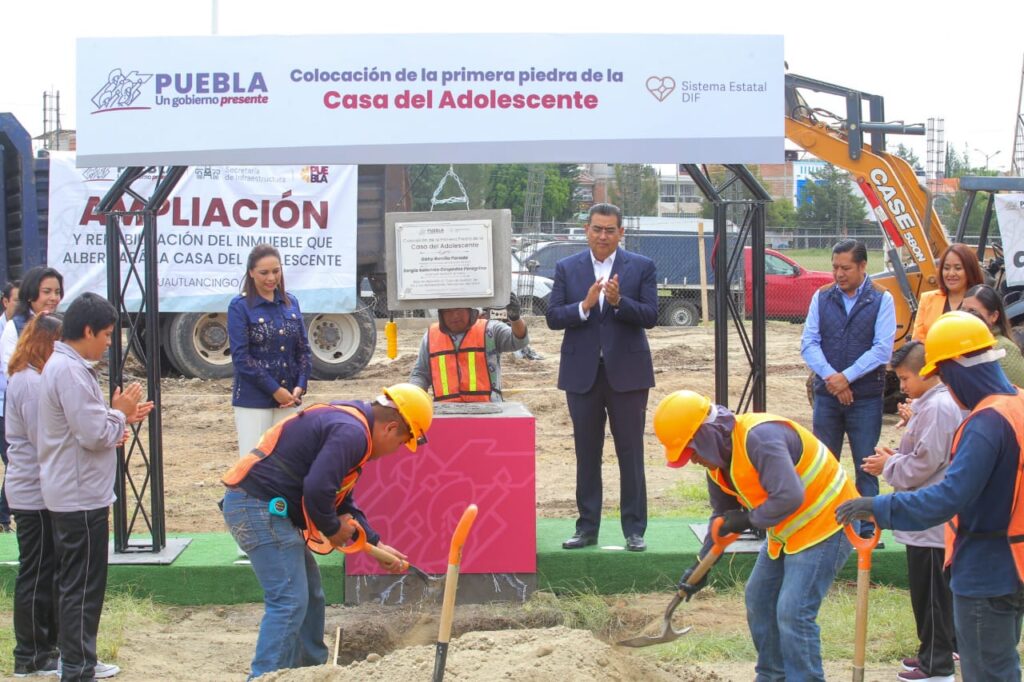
<point x="414" y="500"/>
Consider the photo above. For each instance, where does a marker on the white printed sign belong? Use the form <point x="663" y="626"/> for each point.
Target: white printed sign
<point x="207" y="228"/>
<point x="430" y="98"/>
<point x="444" y="259"/>
<point x="1010" y="212"/>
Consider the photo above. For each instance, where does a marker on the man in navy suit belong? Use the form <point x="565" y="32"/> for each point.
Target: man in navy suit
<point x="604" y="298"/>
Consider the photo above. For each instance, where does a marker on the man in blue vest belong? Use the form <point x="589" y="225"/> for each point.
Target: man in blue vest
<point x="847" y="342"/>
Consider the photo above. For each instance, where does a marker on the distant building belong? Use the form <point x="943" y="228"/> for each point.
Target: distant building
<point x="678" y="195"/>
<point x="57" y="141"/>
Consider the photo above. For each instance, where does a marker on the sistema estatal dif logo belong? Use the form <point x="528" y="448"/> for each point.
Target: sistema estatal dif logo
<point x="123" y="89"/>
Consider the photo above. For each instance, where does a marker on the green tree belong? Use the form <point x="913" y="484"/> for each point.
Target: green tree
<point x="494" y="186"/>
<point x="647" y="201"/>
<point x="949" y="213"/>
<point x="830" y="200"/>
<point x="957" y="163"/>
<point x="908" y="155"/>
<point x="781" y="213"/>
<point x="507" y="184"/>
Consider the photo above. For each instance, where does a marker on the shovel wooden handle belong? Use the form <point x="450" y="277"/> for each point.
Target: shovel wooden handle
<point x="864" y="546"/>
<point x="451" y="584"/>
<point x="718" y="544"/>
<point x="381" y="555"/>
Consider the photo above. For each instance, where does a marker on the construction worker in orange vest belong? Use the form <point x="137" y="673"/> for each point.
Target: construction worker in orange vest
<point x="767" y="472"/>
<point x="979" y="499"/>
<point x="293" y="493"/>
<point x="460" y="355"/>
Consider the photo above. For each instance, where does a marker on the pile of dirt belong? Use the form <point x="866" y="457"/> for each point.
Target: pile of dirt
<point x="535" y="655"/>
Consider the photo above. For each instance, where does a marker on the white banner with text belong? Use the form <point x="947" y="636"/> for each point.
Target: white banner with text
<point x="1010" y="213"/>
<point x="206" y="229"/>
<point x="430" y="98"/>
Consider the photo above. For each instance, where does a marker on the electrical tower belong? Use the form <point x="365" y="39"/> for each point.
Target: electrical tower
<point x="51" y="121"/>
<point x="1017" y="165"/>
<point x="935" y="156"/>
<point x="530" y="235"/>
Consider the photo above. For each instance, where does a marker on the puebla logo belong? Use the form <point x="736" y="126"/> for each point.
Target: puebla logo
<point x="120" y="91"/>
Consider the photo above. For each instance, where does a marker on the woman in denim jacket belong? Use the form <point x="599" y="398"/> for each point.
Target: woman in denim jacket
<point x="269" y="349"/>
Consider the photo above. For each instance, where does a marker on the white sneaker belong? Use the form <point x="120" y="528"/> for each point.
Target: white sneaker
<point x="105" y="670"/>
<point x="100" y="672"/>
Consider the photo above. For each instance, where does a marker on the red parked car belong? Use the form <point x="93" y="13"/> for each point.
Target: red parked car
<point x="788" y="285"/>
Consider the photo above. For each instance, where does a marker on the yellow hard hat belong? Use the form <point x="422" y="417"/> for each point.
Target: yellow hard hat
<point x="416" y="408"/>
<point x="676" y="419"/>
<point x="953" y="335"/>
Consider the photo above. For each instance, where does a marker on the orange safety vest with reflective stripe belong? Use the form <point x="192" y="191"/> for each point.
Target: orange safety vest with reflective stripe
<point x="265" y="448"/>
<point x="1010" y="408"/>
<point x="459" y="375"/>
<point x="825" y="487"/>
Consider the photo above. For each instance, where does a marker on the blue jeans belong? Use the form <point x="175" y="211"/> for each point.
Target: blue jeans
<point x="292" y="629"/>
<point x="987" y="633"/>
<point x="783" y="597"/>
<point x="862" y="422"/>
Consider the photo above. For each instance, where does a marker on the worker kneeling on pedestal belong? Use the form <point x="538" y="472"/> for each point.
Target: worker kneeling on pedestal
<point x="460" y="355"/>
<point x="767" y="472"/>
<point x="293" y="493"/>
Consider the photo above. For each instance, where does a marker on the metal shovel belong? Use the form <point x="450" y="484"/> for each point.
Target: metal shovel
<point x="669" y="633"/>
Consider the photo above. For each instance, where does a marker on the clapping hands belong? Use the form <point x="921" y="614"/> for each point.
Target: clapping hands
<point x="128" y="402"/>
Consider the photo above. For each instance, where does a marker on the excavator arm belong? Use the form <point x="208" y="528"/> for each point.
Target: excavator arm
<point x="911" y="227"/>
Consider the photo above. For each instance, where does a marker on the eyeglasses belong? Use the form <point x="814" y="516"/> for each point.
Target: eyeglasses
<point x="606" y="230"/>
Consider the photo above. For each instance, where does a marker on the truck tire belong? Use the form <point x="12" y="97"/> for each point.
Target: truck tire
<point x="680" y="313"/>
<point x="197" y="344"/>
<point x="341" y="344"/>
<point x="165" y="343"/>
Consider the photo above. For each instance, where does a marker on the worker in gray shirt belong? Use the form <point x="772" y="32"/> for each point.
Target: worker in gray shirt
<point x="460" y="355"/>
<point x="769" y="472"/>
<point x="77" y="436"/>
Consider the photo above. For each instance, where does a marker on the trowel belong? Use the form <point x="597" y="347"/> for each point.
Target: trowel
<point x="668" y="632"/>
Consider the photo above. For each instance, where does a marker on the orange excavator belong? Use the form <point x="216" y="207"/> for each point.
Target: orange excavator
<point x="914" y="236"/>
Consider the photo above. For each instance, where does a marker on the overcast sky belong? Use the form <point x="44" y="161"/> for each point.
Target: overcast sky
<point x="962" y="64"/>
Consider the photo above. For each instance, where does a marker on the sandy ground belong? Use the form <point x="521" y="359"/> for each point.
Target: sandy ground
<point x="216" y="643"/>
<point x="199" y="431"/>
<point x="488" y="643"/>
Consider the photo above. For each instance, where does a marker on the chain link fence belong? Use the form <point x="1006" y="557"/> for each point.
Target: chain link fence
<point x="797" y="263"/>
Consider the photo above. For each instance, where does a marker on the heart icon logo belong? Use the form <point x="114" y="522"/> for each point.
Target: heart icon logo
<point x="661" y="86"/>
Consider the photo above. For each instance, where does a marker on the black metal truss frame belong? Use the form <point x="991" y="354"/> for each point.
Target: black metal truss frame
<point x="728" y="259"/>
<point x="137" y="323"/>
<point x="142" y="330"/>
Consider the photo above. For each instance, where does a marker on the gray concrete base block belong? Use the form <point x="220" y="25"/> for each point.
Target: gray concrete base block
<point x="746" y="543"/>
<point x="473" y="588"/>
<point x="139" y="552"/>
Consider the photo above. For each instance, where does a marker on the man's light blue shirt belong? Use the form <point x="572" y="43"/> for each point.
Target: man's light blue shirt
<point x="881" y="347"/>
